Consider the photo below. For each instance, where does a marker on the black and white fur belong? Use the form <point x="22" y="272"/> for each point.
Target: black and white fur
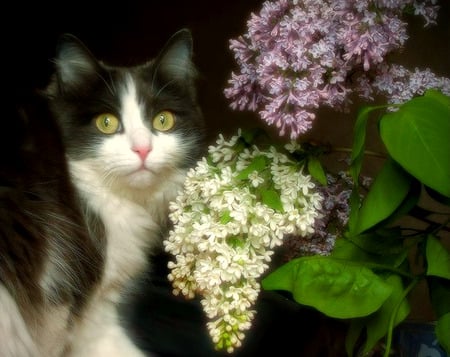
<point x="73" y="240"/>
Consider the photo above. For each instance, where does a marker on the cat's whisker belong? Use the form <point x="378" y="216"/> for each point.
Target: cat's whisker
<point x="163" y="87"/>
<point x="108" y="178"/>
<point x="154" y="74"/>
<point x="112" y="83"/>
<point x="111" y="87"/>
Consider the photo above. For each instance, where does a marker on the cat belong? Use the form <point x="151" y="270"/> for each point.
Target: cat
<point x="92" y="163"/>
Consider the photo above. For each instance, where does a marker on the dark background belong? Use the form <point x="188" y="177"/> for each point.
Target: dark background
<point x="126" y="33"/>
<point x="129" y="32"/>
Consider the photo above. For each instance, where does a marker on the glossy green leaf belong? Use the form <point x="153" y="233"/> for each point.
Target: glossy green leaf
<point x="355" y="204"/>
<point x="359" y="139"/>
<point x="381" y="247"/>
<point x="353" y="335"/>
<point x="440" y="300"/>
<point x="316" y="170"/>
<point x="443" y="332"/>
<point x="346" y="249"/>
<point x="438" y="258"/>
<point x="440" y="295"/>
<point x="377" y="324"/>
<point x="337" y="288"/>
<point x="271" y="198"/>
<point x="356" y="160"/>
<point x="226" y="217"/>
<point x="437" y="196"/>
<point x="258" y="164"/>
<point x="417" y="137"/>
<point x="249" y="135"/>
<point x="408" y="204"/>
<point x="386" y="194"/>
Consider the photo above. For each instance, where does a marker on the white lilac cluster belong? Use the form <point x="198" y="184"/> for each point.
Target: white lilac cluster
<point x="333" y="219"/>
<point x="236" y="207"/>
<point x="299" y="55"/>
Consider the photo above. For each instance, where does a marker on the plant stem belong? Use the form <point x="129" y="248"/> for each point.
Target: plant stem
<point x="366" y="152"/>
<point x="394" y="315"/>
<point x="389" y="268"/>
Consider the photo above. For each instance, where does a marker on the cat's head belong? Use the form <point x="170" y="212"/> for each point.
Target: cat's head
<point x="130" y="126"/>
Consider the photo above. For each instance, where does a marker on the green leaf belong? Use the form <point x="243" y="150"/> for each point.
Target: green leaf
<point x="355" y="204"/>
<point x="249" y="135"/>
<point x="408" y="205"/>
<point x="378" y="323"/>
<point x="356" y="160"/>
<point x="353" y="334"/>
<point x="443" y="332"/>
<point x="346" y="249"/>
<point x="359" y="139"/>
<point x="226" y="217"/>
<point x="437" y="196"/>
<point x="440" y="295"/>
<point x="258" y="163"/>
<point x="316" y="170"/>
<point x="271" y="198"/>
<point x="336" y="288"/>
<point x="379" y="247"/>
<point x="438" y="258"/>
<point x="440" y="300"/>
<point x="417" y="137"/>
<point x="387" y="192"/>
<point x="359" y="143"/>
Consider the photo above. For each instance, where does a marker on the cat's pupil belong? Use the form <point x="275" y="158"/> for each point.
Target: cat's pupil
<point x="162" y="119"/>
<point x="107" y="121"/>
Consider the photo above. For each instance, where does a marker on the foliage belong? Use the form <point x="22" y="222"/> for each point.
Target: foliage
<point x="357" y="263"/>
<point x="368" y="276"/>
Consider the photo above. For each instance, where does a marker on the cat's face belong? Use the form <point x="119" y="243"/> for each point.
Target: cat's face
<point x="127" y="126"/>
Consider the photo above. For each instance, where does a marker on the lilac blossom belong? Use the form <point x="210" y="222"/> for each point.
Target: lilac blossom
<point x="226" y="229"/>
<point x="332" y="221"/>
<point x="299" y="55"/>
<point x="400" y="84"/>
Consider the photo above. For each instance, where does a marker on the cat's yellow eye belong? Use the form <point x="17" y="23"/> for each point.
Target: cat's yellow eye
<point x="107" y="123"/>
<point x="163" y="121"/>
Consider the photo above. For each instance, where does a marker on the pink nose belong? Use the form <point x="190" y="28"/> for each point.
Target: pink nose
<point x="142" y="151"/>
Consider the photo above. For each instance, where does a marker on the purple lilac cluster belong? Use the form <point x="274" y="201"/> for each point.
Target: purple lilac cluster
<point x="400" y="84"/>
<point x="301" y="54"/>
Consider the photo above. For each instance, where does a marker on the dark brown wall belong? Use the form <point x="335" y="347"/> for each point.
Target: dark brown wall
<point x="132" y="31"/>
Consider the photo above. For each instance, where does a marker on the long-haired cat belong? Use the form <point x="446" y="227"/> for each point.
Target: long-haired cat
<point x="82" y="213"/>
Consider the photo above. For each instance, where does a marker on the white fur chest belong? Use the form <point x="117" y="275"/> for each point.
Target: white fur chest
<point x="130" y="231"/>
<point x="132" y="220"/>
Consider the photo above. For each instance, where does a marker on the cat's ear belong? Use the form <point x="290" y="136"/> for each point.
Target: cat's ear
<point x="74" y="62"/>
<point x="175" y="59"/>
